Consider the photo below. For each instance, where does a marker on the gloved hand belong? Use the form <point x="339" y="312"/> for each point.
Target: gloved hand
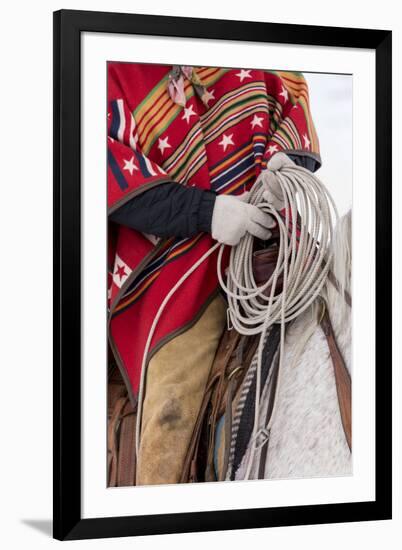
<point x="273" y="193"/>
<point x="232" y="217"/>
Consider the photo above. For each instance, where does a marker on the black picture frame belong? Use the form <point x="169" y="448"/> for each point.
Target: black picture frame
<point x="68" y="26"/>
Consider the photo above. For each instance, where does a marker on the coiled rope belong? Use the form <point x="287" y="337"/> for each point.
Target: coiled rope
<point x="304" y="260"/>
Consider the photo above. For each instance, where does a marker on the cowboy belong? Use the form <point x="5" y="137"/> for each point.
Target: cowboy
<point x="184" y="147"/>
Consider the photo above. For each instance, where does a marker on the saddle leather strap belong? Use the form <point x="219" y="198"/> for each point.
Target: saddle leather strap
<point x="189" y="472"/>
<point x="120" y="433"/>
<point x="342" y="377"/>
<point x="126" y="465"/>
<point x="233" y="376"/>
<point x="230" y="342"/>
<point x="113" y="444"/>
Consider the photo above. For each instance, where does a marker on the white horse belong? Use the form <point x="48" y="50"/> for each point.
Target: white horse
<point x="307" y="437"/>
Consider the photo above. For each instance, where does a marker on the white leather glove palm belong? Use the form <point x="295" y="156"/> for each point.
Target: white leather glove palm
<point x="232" y="217"/>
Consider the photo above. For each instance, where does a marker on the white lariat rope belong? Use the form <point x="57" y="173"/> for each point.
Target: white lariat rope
<point x="304" y="260"/>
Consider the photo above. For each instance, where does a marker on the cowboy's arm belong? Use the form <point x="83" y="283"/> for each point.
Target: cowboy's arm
<point x="168" y="210"/>
<point x="174" y="210"/>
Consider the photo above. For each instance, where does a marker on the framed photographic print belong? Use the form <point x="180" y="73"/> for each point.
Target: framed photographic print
<point x="222" y="273"/>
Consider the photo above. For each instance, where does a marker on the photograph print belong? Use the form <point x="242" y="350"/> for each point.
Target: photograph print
<point x="229" y="274"/>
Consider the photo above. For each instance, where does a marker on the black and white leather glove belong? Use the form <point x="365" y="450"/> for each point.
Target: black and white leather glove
<point x="232" y="217"/>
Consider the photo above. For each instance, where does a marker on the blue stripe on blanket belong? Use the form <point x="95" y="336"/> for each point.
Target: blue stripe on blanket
<point x="115" y="120"/>
<point x="116" y="171"/>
